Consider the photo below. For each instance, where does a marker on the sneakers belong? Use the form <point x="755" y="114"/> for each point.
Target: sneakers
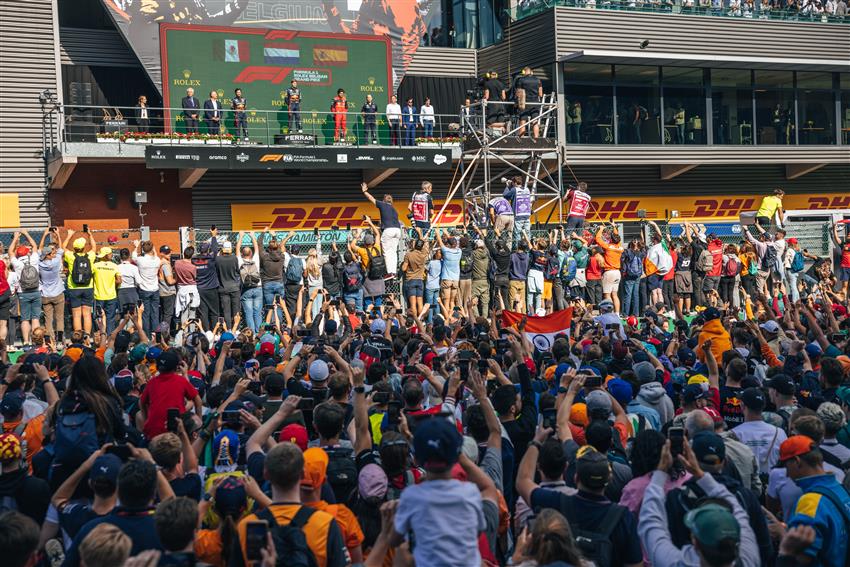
<point x="55" y="553"/>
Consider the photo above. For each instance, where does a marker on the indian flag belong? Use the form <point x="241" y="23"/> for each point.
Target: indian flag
<point x="231" y="50"/>
<point x="541" y="331"/>
<point x="281" y="54"/>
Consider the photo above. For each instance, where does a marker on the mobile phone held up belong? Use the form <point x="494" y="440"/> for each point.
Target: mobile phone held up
<point x="171" y="420"/>
<point x="677" y="441"/>
<point x="256" y="538"/>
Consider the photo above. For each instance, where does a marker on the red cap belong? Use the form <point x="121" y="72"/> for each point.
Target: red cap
<point x="791" y="240"/>
<point x="428" y="358"/>
<point x="22" y="251"/>
<point x="713" y="413"/>
<point x="195" y="374"/>
<point x="795" y="446"/>
<point x="267" y="348"/>
<point x="294" y="433"/>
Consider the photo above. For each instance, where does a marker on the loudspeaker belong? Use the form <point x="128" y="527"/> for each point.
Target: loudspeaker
<point x="140" y="197"/>
<point x="111" y="199"/>
<point x="81" y="132"/>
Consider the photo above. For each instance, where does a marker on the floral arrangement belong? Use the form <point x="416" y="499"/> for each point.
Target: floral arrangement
<point x="125" y="136"/>
<point x="438" y="140"/>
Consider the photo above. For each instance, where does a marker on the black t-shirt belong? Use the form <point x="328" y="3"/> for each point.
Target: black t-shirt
<point x="74" y="516"/>
<point x="537" y="260"/>
<point x="389" y="216"/>
<point x="189" y="486"/>
<point x="531" y="84"/>
<point x="731" y="406"/>
<point x="332" y="277"/>
<point x="228" y="272"/>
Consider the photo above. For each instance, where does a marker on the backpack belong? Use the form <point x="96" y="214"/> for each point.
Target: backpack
<point x="342" y="472"/>
<point x="568" y="270"/>
<point x="705" y="261"/>
<point x="768" y="262"/>
<point x="294" y="270"/>
<point x="352" y="278"/>
<point x="753" y="269"/>
<point x="730" y="268"/>
<point x="81" y="272"/>
<point x="798" y="263"/>
<point x="330" y="275"/>
<point x="465" y="262"/>
<point x="394" y="493"/>
<point x="377" y="265"/>
<point x="249" y="273"/>
<point x="552" y="267"/>
<point x="29" y="276"/>
<point x="634" y="265"/>
<point x="596" y="544"/>
<point x="76" y="437"/>
<point x="289" y="540"/>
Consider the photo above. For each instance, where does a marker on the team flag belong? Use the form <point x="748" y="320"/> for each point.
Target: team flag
<point x="281" y="54"/>
<point x="541" y="331"/>
<point x="330" y="55"/>
<point x="231" y="50"/>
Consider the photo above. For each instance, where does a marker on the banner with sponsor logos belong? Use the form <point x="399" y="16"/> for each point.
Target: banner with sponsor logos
<point x="262" y="63"/>
<point x="307" y="216"/>
<point x="404" y="22"/>
<point x="294" y="157"/>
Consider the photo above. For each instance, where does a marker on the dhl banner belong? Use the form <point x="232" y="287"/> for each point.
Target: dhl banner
<point x="307" y="216"/>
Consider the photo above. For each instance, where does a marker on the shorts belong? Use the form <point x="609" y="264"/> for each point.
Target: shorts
<point x="683" y="283"/>
<point x="5" y="304"/>
<point x="654" y="282"/>
<point x="81" y="297"/>
<point x="843" y="274"/>
<point x="29" y="304"/>
<point x="611" y="281"/>
<point x="574" y="222"/>
<point x="534" y="281"/>
<point x="449" y="284"/>
<point x="547" y="290"/>
<point x="711" y="283"/>
<point x="581" y="278"/>
<point x="414" y="288"/>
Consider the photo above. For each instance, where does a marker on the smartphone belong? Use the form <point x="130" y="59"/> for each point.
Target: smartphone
<point x="256" y="538"/>
<point x="550" y="418"/>
<point x="252" y="364"/>
<point x="348" y="226"/>
<point x="303" y="333"/>
<point x="593" y="381"/>
<point x="171" y="420"/>
<point x="393" y="413"/>
<point x="255" y="387"/>
<point x="120" y="450"/>
<point x="221" y="320"/>
<point x="266" y="308"/>
<point x="677" y="441"/>
<point x="276" y="298"/>
<point x="837" y="337"/>
<point x="316" y="231"/>
<point x="85" y="227"/>
<point x="334" y="302"/>
<point x="208" y="419"/>
<point x="306" y="404"/>
<point x="230" y="416"/>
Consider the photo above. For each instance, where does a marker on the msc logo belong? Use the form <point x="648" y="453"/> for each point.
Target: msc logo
<point x="277" y="157"/>
<point x="422" y="158"/>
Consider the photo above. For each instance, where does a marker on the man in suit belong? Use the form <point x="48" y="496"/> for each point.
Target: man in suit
<point x="212" y="113"/>
<point x="143" y="117"/>
<point x="191" y="108"/>
<point x="409" y="118"/>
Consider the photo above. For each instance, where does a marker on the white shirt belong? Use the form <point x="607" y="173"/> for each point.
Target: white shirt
<point x="129" y="275"/>
<point x="143" y="114"/>
<point x="19" y="263"/>
<point x="764" y="440"/>
<point x="393" y="111"/>
<point x="148" y="271"/>
<point x="426" y="114"/>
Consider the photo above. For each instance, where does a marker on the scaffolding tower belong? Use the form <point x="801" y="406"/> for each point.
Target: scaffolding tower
<point x="490" y="155"/>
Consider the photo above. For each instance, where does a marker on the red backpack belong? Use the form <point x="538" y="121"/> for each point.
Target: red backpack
<point x="731" y="267"/>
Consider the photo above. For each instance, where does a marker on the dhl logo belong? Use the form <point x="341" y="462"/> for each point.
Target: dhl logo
<point x="306" y="218"/>
<point x="252" y="73"/>
<point x="828" y="202"/>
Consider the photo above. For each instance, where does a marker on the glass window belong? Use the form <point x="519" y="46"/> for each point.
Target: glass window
<point x="638" y="115"/>
<point x="636" y="75"/>
<point x="808" y="80"/>
<point x="775" y="118"/>
<point x="845" y="116"/>
<point x="817" y="116"/>
<point x="682" y="76"/>
<point x="844" y="81"/>
<point x="731" y="78"/>
<point x="590" y="109"/>
<point x="587" y="72"/>
<point x="684" y="116"/>
<point x="732" y="116"/>
<point x="777" y="79"/>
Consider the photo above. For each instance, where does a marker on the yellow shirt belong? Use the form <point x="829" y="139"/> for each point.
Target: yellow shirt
<point x="768" y="206"/>
<point x="103" y="276"/>
<point x="364" y="251"/>
<point x="69" y="262"/>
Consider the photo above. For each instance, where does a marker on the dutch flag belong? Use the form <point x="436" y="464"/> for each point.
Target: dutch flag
<point x="281" y="54"/>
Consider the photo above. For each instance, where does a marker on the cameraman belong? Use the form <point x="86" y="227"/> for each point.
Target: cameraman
<point x="494" y="91"/>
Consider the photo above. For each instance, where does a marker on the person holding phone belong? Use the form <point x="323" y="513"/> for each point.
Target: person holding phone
<point x="168" y="389"/>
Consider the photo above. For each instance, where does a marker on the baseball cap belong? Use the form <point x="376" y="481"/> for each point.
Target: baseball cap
<point x="770" y="326"/>
<point x="791" y="240"/>
<point x="814" y="349"/>
<point x="598" y="403"/>
<point x="294" y="433"/>
<point x="436" y="444"/>
<point x="832" y="415"/>
<point x="79" y="243"/>
<point x="165" y="249"/>
<point x="225" y="449"/>
<point x="138" y="353"/>
<point x="592" y="467"/>
<point x="783" y="384"/>
<point x="123" y="381"/>
<point x="795" y="446"/>
<point x="104" y="251"/>
<point x="753" y="398"/>
<point x="712" y="524"/>
<point x="10" y="448"/>
<point x="315" y="468"/>
<point x="153" y="353"/>
<point x="606" y="305"/>
<point x="711" y="313"/>
<point x="372" y="482"/>
<point x="106" y="467"/>
<point x="167" y="361"/>
<point x="698" y="379"/>
<point x="318" y="370"/>
<point x="708" y="447"/>
<point x="644" y="371"/>
<point x="12" y="404"/>
<point x="578" y="414"/>
<point x="378" y="326"/>
<point x="227" y="245"/>
<point x="22" y="251"/>
<point x="687" y="356"/>
<point x="621" y="390"/>
<point x="230" y="497"/>
<point x="692" y="393"/>
<point x="112" y="240"/>
<point x="267" y="349"/>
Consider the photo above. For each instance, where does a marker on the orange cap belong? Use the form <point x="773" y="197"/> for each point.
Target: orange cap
<point x="74" y="353"/>
<point x="578" y="414"/>
<point x="315" y="468"/>
<point x="795" y="446"/>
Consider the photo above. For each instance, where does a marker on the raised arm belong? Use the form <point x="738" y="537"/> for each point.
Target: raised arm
<point x="365" y="188"/>
<point x="26" y="234"/>
<point x="262" y="434"/>
<point x="68" y="236"/>
<point x="363" y="436"/>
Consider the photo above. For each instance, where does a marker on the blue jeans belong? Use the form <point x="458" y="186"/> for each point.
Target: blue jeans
<point x="431" y="296"/>
<point x="520" y="226"/>
<point x="150" y="318"/>
<point x="356" y="296"/>
<point x="429" y="128"/>
<point x="792" y="277"/>
<point x="252" y="306"/>
<point x="270" y="289"/>
<point x="110" y="309"/>
<point x="631" y="296"/>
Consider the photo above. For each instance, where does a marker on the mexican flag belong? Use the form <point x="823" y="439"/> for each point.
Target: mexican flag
<point x="231" y="50"/>
<point x="541" y="331"/>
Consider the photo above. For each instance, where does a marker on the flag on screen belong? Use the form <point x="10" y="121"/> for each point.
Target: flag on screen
<point x="541" y="331"/>
<point x="281" y="54"/>
<point x="231" y="50"/>
<point x="330" y="55"/>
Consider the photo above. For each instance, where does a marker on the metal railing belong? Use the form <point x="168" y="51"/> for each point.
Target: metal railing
<point x="773" y="10"/>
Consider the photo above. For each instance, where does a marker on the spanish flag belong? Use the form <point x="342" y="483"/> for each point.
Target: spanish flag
<point x="330" y="55"/>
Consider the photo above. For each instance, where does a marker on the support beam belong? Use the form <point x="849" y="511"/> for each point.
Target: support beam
<point x="669" y="171"/>
<point x="60" y="170"/>
<point x="188" y="177"/>
<point x="374" y="177"/>
<point x="795" y="170"/>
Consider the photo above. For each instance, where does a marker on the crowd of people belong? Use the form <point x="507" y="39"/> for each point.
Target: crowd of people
<point x="249" y="404"/>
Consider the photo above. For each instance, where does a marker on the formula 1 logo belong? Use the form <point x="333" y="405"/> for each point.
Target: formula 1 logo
<point x="273" y="75"/>
<point x="276" y="158"/>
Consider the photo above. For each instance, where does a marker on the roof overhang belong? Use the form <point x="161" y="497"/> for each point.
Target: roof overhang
<point x="650" y="57"/>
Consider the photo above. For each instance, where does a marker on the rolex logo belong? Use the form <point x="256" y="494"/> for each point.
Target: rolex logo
<point x="371" y="80"/>
<point x="253" y="113"/>
<point x="220" y="92"/>
<point x="187" y="73"/>
<point x="282" y="94"/>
